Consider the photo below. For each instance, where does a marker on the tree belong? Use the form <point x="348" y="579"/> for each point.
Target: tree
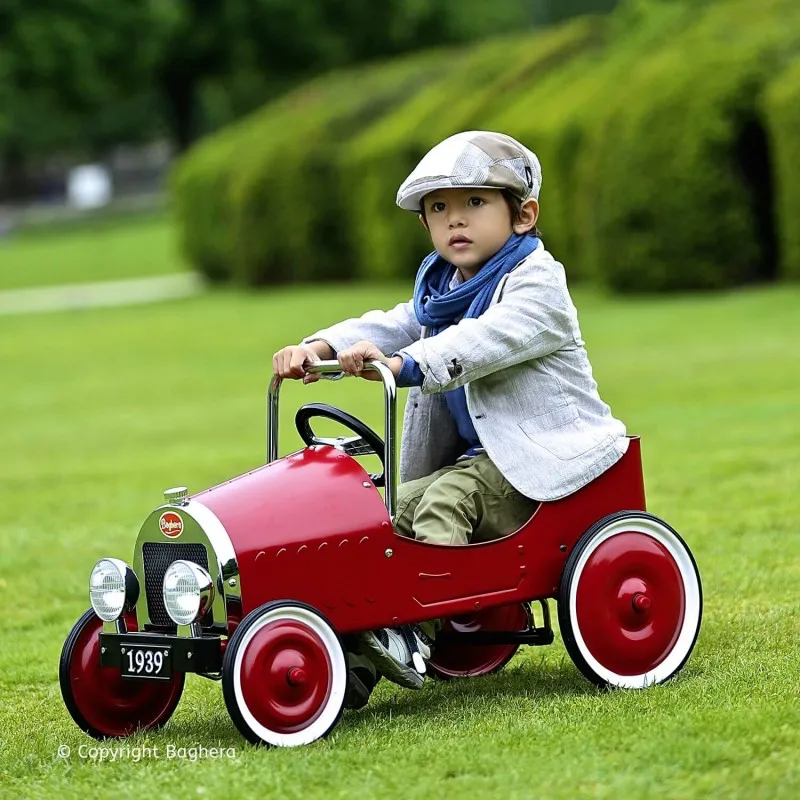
<point x="82" y="75"/>
<point x="269" y="44"/>
<point x="62" y="63"/>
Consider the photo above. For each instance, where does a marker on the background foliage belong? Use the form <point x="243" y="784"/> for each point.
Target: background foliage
<point x="782" y="108"/>
<point x="80" y="76"/>
<point x="662" y="130"/>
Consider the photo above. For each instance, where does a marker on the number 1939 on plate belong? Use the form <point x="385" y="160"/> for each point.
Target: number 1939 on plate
<point x="146" y="661"/>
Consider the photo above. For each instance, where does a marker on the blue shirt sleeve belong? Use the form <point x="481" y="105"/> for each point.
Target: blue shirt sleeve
<point x="410" y="374"/>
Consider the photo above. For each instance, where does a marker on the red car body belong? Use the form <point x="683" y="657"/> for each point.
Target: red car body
<point x="311" y="526"/>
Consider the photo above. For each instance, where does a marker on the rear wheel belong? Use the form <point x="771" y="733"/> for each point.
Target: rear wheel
<point x="453" y="659"/>
<point x="284" y="675"/>
<point x="102" y="702"/>
<point x="630" y="602"/>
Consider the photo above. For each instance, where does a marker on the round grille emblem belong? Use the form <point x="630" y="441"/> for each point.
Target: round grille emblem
<point x="171" y="524"/>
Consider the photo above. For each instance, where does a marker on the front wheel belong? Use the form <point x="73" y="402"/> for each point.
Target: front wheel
<point x="284" y="675"/>
<point x="630" y="601"/>
<point x="102" y="702"/>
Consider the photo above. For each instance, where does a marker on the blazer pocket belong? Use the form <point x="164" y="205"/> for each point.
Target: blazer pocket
<point x="560" y="432"/>
<point x="557" y="418"/>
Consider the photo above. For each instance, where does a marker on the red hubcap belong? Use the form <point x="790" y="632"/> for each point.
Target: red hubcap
<point x="286" y="676"/>
<point x="113" y="705"/>
<point x="630" y="603"/>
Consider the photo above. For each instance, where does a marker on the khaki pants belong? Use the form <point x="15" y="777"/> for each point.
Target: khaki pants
<point x="469" y="501"/>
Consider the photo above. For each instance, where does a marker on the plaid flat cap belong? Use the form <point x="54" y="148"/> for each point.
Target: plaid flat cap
<point x="479" y="159"/>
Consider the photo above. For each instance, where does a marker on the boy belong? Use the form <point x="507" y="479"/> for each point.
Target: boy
<point x="503" y="410"/>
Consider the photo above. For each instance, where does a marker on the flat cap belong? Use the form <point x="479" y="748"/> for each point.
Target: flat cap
<point x="479" y="159"/>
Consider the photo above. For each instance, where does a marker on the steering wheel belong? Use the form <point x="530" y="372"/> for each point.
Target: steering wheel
<point x="364" y="443"/>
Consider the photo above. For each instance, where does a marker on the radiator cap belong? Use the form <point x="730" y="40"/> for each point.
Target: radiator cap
<point x="177" y="496"/>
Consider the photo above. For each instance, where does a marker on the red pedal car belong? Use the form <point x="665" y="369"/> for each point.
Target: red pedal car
<point x="232" y="584"/>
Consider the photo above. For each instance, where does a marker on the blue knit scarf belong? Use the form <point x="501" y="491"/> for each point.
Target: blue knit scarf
<point x="437" y="306"/>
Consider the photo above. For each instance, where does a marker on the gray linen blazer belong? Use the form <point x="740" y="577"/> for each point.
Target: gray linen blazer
<point x="527" y="378"/>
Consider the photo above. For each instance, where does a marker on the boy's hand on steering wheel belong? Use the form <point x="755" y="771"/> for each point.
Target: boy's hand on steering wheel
<point x="352" y="359"/>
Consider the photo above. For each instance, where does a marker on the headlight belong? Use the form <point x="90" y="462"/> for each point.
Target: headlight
<point x="113" y="588"/>
<point x="188" y="592"/>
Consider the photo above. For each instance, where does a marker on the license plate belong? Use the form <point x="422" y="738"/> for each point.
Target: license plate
<point x="146" y="661"/>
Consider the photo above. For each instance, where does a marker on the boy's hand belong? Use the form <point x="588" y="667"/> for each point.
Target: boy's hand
<point x="293" y="361"/>
<point x="352" y="361"/>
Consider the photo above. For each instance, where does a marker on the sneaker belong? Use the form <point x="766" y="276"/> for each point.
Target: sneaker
<point x="398" y="653"/>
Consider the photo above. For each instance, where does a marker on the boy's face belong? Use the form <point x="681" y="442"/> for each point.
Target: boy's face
<point x="468" y="226"/>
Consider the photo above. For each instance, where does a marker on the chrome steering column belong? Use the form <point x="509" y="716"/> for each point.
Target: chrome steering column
<point x="331" y="370"/>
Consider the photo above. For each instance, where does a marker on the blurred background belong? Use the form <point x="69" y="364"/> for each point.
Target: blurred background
<point x="128" y="87"/>
<point x="248" y="153"/>
<point x="268" y="137"/>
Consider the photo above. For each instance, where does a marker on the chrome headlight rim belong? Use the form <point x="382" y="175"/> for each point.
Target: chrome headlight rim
<point x="187" y="591"/>
<point x="123" y="583"/>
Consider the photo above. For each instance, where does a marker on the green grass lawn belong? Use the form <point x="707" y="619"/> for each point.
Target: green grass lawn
<point x="101" y="410"/>
<point x="109" y="249"/>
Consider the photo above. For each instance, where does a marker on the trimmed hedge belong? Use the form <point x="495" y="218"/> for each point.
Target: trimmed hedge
<point x="377" y="162"/>
<point x="658" y="129"/>
<point x="290" y="204"/>
<point x="258" y="203"/>
<point x="573" y="98"/>
<point x="200" y="197"/>
<point x="679" y="169"/>
<point x="782" y="107"/>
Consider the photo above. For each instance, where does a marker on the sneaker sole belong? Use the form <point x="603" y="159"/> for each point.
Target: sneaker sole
<point x="390" y="668"/>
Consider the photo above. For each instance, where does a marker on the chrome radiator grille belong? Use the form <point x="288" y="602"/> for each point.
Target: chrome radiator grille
<point x="156" y="557"/>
